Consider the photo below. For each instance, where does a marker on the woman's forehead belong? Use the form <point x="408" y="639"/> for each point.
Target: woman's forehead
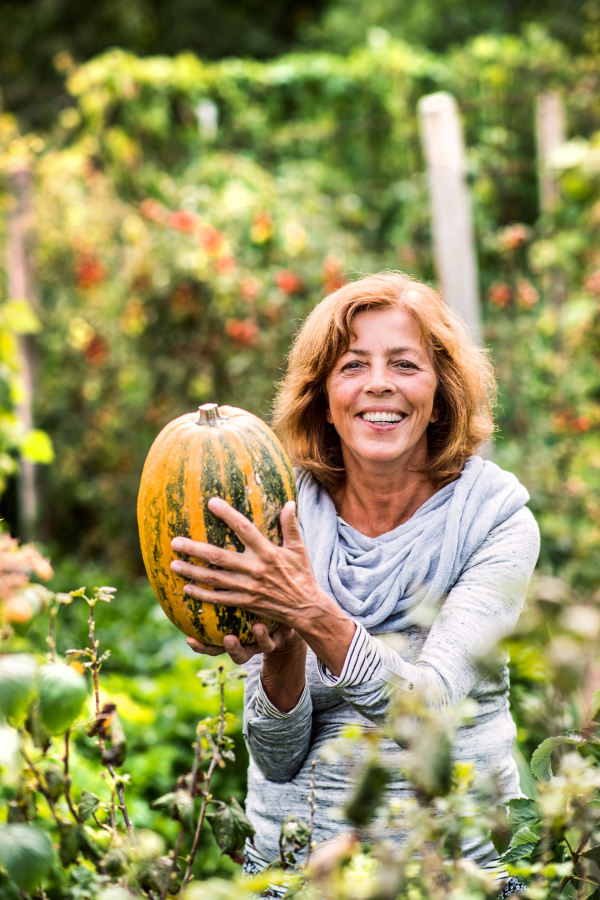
<point x="393" y="328"/>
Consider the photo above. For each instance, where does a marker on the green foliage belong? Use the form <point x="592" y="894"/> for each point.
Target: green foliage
<point x="26" y="854"/>
<point x="61" y="695"/>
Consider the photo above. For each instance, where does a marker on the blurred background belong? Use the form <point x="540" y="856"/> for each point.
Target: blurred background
<point x="180" y="183"/>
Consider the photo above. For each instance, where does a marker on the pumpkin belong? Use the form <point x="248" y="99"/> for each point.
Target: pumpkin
<point x="218" y="452"/>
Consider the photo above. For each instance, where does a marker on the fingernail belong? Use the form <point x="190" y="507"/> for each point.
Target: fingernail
<point x="215" y="501"/>
<point x="186" y="589"/>
<point x="177" y="543"/>
<point x="176" y="566"/>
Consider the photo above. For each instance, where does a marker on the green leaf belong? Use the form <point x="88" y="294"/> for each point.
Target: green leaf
<point x="524" y="836"/>
<point x="540" y="761"/>
<point x="56" y="782"/>
<point x="69" y="845"/>
<point x="18" y="316"/>
<point x="26" y="854"/>
<point x="36" y="447"/>
<point x="88" y="804"/>
<point x="17" y="684"/>
<point x="62" y="693"/>
<point x="231" y="827"/>
<point x="523" y="811"/>
<point x="368" y="795"/>
<point x="596" y="706"/>
<point x="594" y="854"/>
<point x="523" y="851"/>
<point x="501" y="832"/>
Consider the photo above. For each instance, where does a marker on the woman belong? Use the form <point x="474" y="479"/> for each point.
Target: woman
<point x="402" y="529"/>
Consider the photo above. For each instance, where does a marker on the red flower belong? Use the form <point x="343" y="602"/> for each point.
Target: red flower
<point x="225" y="264"/>
<point x="500" y="294"/>
<point x="244" y="333"/>
<point x="90" y="271"/>
<point x="97" y="351"/>
<point x="513" y="236"/>
<point x="154" y="211"/>
<point x="181" y="220"/>
<point x="592" y="283"/>
<point x="528" y="296"/>
<point x="332" y="274"/>
<point x="289" y="282"/>
<point x="250" y="288"/>
<point x="211" y="239"/>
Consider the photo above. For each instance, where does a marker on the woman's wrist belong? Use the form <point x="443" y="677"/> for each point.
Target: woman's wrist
<point x="329" y="633"/>
<point x="283" y="674"/>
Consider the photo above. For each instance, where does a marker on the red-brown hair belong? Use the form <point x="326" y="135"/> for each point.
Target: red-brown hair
<point x="465" y="394"/>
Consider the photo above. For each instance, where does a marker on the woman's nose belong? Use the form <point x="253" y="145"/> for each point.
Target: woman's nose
<point x="379" y="380"/>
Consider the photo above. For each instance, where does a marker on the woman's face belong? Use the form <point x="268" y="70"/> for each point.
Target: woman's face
<point x="381" y="392"/>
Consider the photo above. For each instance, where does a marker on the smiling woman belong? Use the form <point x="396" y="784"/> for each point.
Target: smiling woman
<point x="384" y="405"/>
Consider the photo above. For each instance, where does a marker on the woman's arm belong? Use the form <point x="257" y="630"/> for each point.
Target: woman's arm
<point x="479" y="611"/>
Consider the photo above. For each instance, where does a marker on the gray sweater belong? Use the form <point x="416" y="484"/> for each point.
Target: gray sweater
<point x="441" y="661"/>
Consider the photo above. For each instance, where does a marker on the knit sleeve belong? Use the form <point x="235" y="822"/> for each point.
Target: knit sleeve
<point x="479" y="611"/>
<point x="278" y="742"/>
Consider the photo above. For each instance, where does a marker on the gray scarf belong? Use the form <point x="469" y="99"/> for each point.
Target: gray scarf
<point x="398" y="579"/>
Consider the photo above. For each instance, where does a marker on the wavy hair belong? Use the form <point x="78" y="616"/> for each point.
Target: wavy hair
<point x="466" y="390"/>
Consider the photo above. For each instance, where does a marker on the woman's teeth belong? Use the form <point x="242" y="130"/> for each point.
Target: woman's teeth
<point x="382" y="418"/>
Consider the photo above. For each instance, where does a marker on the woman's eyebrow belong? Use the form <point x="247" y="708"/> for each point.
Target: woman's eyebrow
<point x="394" y="351"/>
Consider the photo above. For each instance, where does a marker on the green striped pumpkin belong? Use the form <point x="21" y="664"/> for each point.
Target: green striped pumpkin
<point x="219" y="452"/>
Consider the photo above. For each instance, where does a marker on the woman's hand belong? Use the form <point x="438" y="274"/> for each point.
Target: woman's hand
<point x="279" y="643"/>
<point x="272" y="582"/>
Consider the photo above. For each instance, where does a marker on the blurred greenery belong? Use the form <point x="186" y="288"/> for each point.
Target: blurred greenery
<point x="188" y="214"/>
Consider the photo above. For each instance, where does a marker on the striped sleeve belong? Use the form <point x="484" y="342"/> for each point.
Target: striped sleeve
<point x="362" y="662"/>
<point x="266" y="710"/>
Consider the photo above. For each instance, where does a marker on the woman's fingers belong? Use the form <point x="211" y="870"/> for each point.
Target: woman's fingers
<point x="215" y="556"/>
<point x="290" y="528"/>
<point x="226" y="598"/>
<point x="206" y="649"/>
<point x="248" y="533"/>
<point x="217" y="578"/>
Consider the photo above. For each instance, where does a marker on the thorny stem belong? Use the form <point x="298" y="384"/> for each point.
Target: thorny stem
<point x="575" y="857"/>
<point x="94" y="644"/>
<point x="216" y="758"/>
<point x="180" y="837"/>
<point x="68" y="779"/>
<point x="313" y="809"/>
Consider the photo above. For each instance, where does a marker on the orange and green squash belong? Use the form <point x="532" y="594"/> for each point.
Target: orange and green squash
<point x="217" y="452"/>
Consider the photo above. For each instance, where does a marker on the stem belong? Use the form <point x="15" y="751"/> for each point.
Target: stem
<point x="313" y="809"/>
<point x="68" y="779"/>
<point x="40" y="784"/>
<point x="216" y="757"/>
<point x="51" y="639"/>
<point x="575" y="854"/>
<point x="181" y="835"/>
<point x="94" y="644"/>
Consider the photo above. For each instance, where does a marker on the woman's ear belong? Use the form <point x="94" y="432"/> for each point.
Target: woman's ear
<point x="435" y="414"/>
<point x="328" y="414"/>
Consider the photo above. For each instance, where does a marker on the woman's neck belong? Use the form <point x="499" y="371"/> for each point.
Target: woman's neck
<point x="375" y="502"/>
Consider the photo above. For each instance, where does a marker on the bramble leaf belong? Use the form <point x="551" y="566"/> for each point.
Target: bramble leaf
<point x="26" y="854"/>
<point x="231" y="827"/>
<point x="88" y="804"/>
<point x="541" y="760"/>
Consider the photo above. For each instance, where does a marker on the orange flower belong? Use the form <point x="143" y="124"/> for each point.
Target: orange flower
<point x="154" y="211"/>
<point x="289" y="282"/>
<point x="244" y="333"/>
<point x="500" y="294"/>
<point x="262" y="228"/>
<point x="89" y="270"/>
<point x="181" y="220"/>
<point x="225" y="264"/>
<point x="250" y="288"/>
<point x="211" y="239"/>
<point x="513" y="236"/>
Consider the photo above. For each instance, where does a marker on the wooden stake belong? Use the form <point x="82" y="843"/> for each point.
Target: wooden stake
<point x="550" y="129"/>
<point x="453" y="242"/>
<point x="20" y="286"/>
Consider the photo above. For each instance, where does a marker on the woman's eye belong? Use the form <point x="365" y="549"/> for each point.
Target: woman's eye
<point x="406" y="364"/>
<point x="351" y="366"/>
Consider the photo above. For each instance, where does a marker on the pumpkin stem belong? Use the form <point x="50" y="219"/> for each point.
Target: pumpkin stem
<point x="208" y="414"/>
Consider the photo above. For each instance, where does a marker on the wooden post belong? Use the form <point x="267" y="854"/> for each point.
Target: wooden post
<point x="453" y="242"/>
<point x="550" y="130"/>
<point x="20" y="286"/>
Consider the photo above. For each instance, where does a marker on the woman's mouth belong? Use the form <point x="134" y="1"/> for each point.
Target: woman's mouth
<point x="382" y="417"/>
